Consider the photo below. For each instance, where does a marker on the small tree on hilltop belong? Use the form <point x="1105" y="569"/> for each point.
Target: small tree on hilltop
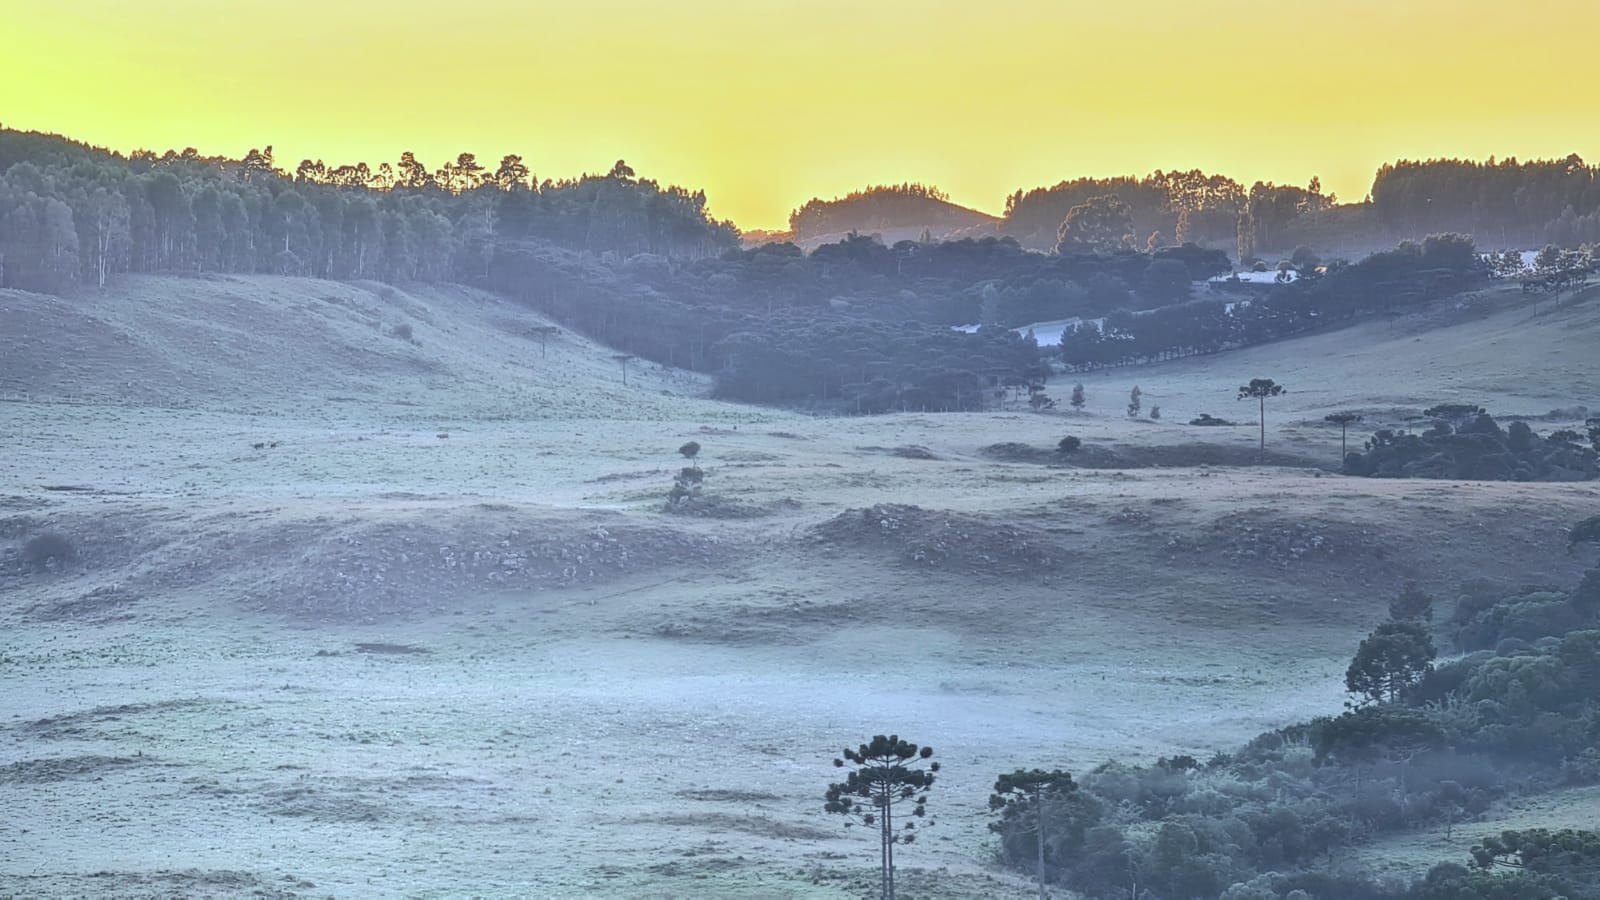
<point x="884" y="774"/>
<point x="690" y="450"/>
<point x="1344" y="420"/>
<point x="685" y="485"/>
<point x="1392" y="658"/>
<point x="1260" y="389"/>
<point x="1020" y="799"/>
<point x="1134" y="402"/>
<point x="1078" y="399"/>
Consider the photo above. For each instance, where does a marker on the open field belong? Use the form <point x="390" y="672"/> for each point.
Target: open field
<point x="357" y="614"/>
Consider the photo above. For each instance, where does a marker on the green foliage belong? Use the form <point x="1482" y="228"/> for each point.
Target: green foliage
<point x="1134" y="402"/>
<point x="77" y="214"/>
<point x="1078" y="398"/>
<point x="886" y="776"/>
<point x="1041" y="816"/>
<point x="1097" y="225"/>
<point x="1466" y="444"/>
<point x="1069" y="444"/>
<point x="1260" y="389"/>
<point x="879" y="206"/>
<point x="690" y="450"/>
<point x="1264" y="821"/>
<point x="686" y="486"/>
<point x="1411" y="605"/>
<point x="1391" y="659"/>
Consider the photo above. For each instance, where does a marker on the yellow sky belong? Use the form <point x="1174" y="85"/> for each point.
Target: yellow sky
<point x="765" y="103"/>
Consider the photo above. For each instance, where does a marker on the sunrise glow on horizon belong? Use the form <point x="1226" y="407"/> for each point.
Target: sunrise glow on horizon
<point x="765" y="105"/>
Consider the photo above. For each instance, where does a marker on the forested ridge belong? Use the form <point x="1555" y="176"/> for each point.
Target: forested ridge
<point x="855" y="325"/>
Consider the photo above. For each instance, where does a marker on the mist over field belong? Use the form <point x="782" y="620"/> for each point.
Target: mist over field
<point x="378" y="528"/>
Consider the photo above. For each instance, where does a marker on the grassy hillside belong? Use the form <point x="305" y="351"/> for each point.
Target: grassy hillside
<point x="257" y="342"/>
<point x="411" y="639"/>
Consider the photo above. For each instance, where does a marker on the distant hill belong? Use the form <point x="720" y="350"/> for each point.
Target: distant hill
<point x="265" y="342"/>
<point x="894" y="213"/>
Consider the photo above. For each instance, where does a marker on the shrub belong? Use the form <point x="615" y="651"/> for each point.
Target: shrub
<point x="403" y="332"/>
<point x="45" y="551"/>
<point x="690" y="450"/>
<point x="1069" y="444"/>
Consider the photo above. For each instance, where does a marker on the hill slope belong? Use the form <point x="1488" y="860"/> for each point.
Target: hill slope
<point x="274" y="343"/>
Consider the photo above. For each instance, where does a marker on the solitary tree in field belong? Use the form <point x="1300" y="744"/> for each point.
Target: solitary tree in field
<point x="884" y="775"/>
<point x="1078" y="399"/>
<point x="1344" y="420"/>
<point x="1392" y="658"/>
<point x="690" y="450"/>
<point x="544" y="332"/>
<point x="1134" y="402"/>
<point x="1261" y="389"/>
<point x="623" y="359"/>
<point x="1020" y="797"/>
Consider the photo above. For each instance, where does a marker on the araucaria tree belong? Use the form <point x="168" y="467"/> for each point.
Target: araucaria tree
<point x="1392" y="658"/>
<point x="1261" y="389"/>
<point x="887" y="774"/>
<point x="1344" y="420"/>
<point x="1020" y="799"/>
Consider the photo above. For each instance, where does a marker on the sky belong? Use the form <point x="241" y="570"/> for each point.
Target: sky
<point x="767" y="103"/>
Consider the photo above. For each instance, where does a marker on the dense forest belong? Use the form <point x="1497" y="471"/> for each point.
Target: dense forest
<point x="1420" y="745"/>
<point x="852" y="326"/>
<point x="72" y="214"/>
<point x="1505" y="204"/>
<point x="1172" y="207"/>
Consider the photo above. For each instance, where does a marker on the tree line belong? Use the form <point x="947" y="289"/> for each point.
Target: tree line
<point x="1420" y="744"/>
<point x="72" y="214"/>
<point x="1384" y="283"/>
